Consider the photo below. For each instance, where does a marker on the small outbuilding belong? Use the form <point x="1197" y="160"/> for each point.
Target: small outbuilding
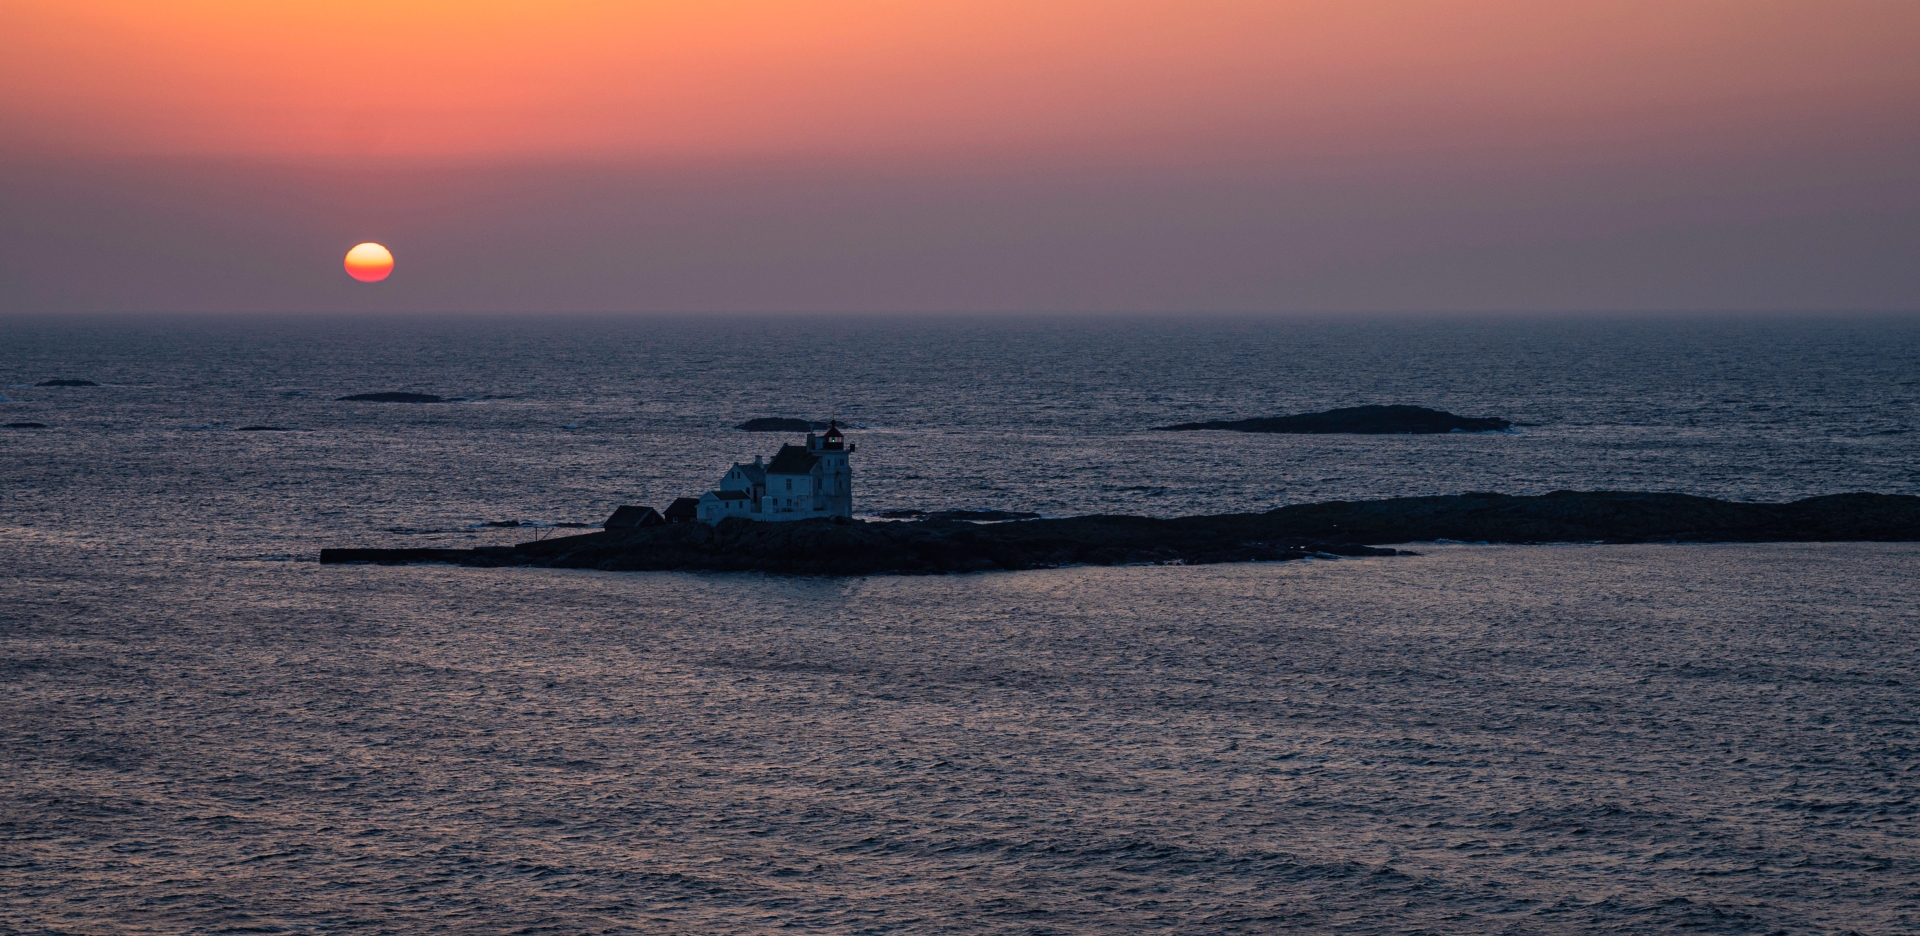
<point x="684" y="510"/>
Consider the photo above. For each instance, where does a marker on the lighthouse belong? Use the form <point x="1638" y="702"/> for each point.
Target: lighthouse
<point x="804" y="481"/>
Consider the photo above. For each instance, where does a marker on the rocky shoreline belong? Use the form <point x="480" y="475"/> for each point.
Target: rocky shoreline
<point x="1345" y="528"/>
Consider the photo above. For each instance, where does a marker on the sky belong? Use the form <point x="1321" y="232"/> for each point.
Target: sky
<point x="938" y="155"/>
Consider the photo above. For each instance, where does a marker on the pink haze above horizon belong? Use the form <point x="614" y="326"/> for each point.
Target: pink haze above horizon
<point x="1207" y="154"/>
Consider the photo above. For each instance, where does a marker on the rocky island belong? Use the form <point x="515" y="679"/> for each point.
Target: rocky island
<point x="1358" y="420"/>
<point x="842" y="546"/>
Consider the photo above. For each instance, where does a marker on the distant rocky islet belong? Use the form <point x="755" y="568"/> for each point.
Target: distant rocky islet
<point x="786" y="424"/>
<point x="1355" y="420"/>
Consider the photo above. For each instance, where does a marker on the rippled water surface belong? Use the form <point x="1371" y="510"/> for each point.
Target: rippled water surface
<point x="202" y="730"/>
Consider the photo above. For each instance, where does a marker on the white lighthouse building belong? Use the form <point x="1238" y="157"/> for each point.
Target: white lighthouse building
<point x="801" y="482"/>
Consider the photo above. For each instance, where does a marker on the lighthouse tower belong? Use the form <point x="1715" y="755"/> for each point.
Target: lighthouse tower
<point x="835" y="496"/>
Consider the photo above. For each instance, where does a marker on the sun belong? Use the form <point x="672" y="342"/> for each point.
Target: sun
<point x="369" y="262"/>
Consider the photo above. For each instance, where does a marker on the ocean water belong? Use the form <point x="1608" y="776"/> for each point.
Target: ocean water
<point x="202" y="730"/>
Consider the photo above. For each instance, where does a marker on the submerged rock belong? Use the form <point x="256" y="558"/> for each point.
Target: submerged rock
<point x="66" y="382"/>
<point x="851" y="547"/>
<point x="264" y="429"/>
<point x="26" y="425"/>
<point x="397" y="397"/>
<point x="1359" y="420"/>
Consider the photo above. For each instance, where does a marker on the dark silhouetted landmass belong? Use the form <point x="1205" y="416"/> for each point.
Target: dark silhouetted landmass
<point x="66" y="382"/>
<point x="1358" y="420"/>
<point x="26" y="425"/>
<point x="264" y="429"/>
<point x="823" y="547"/>
<point x="1606" y="517"/>
<point x="396" y="397"/>
<point x="778" y="424"/>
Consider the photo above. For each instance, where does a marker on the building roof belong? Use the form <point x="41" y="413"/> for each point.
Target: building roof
<point x="729" y="495"/>
<point x="683" y="507"/>
<point x="630" y="516"/>
<point x="755" y="473"/>
<point x="793" y="460"/>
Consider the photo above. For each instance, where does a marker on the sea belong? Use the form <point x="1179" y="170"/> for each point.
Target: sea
<point x="203" y="730"/>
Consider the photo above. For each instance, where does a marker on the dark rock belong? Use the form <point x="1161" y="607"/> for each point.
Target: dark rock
<point x="977" y="516"/>
<point x="26" y="425"/>
<point x="983" y="516"/>
<point x="401" y="556"/>
<point x="1359" y="420"/>
<point x="776" y="424"/>
<point x="397" y="397"/>
<point x="821" y="547"/>
<point x="631" y="516"/>
<point x="68" y="382"/>
<point x="264" y="429"/>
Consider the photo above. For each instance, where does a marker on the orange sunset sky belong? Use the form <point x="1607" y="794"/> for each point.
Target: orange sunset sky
<point x="861" y="155"/>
